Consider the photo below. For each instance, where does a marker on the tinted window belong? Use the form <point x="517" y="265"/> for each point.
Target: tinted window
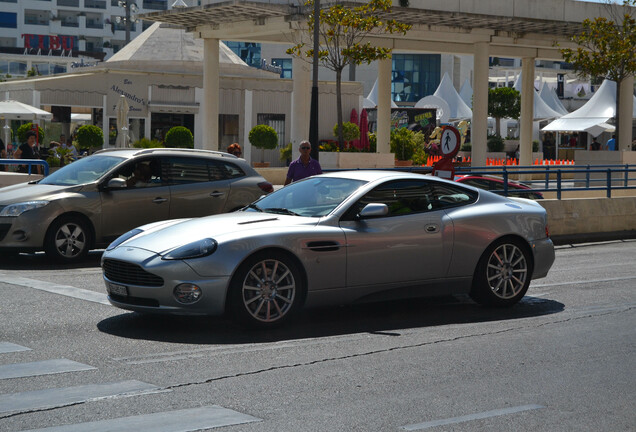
<point x="141" y="173"/>
<point x="187" y="170"/>
<point x="447" y="196"/>
<point x="225" y="170"/>
<point x="401" y="196"/>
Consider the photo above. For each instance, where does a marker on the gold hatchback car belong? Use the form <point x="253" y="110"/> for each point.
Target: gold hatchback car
<point x="87" y="204"/>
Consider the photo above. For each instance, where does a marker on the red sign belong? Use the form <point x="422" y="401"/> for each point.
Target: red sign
<point x="449" y="144"/>
<point x="35" y="41"/>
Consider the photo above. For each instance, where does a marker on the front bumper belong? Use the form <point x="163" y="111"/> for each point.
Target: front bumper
<point x="159" y="297"/>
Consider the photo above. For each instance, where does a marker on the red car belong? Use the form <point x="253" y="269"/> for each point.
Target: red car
<point x="492" y="183"/>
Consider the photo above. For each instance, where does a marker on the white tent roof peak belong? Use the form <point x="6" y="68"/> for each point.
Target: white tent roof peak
<point x="542" y="110"/>
<point x="459" y="110"/>
<point x="599" y="109"/>
<point x="166" y="48"/>
<point x="466" y="93"/>
<point x="550" y="97"/>
<point x="371" y="101"/>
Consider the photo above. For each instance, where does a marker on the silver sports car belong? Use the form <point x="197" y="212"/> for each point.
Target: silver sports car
<point x="332" y="239"/>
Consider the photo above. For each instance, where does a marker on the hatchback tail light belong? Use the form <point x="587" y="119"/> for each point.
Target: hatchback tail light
<point x="547" y="231"/>
<point x="266" y="187"/>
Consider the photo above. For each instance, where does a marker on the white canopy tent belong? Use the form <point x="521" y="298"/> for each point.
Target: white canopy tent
<point x="442" y="108"/>
<point x="371" y="101"/>
<point x="550" y="97"/>
<point x="458" y="108"/>
<point x="541" y="109"/>
<point x="466" y="93"/>
<point x="590" y="117"/>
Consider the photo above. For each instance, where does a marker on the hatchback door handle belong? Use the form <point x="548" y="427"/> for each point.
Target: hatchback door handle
<point x="216" y="194"/>
<point x="159" y="200"/>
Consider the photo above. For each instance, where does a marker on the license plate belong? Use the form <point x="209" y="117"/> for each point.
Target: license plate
<point x="116" y="289"/>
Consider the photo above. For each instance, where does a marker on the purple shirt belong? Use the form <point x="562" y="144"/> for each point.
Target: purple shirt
<point x="299" y="171"/>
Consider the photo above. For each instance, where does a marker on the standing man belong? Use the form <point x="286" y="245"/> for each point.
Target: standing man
<point x="304" y="166"/>
<point x="3" y="154"/>
<point x="28" y="150"/>
<point x="611" y="143"/>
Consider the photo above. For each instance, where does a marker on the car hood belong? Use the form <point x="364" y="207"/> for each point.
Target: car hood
<point x="28" y="192"/>
<point x="163" y="236"/>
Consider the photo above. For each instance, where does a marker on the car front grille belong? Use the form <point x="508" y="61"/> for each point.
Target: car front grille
<point x="129" y="274"/>
<point x="4" y="229"/>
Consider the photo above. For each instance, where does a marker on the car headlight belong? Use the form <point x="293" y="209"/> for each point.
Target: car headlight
<point x="197" y="249"/>
<point x="122" y="238"/>
<point x="17" y="209"/>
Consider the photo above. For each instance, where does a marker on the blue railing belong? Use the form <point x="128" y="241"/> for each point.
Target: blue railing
<point x="553" y="178"/>
<point x="29" y="164"/>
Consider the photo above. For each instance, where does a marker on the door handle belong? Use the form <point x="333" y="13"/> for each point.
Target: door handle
<point x="159" y="200"/>
<point x="216" y="194"/>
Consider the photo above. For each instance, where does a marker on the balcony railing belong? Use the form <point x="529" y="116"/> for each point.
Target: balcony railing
<point x="69" y="3"/>
<point x="95" y="4"/>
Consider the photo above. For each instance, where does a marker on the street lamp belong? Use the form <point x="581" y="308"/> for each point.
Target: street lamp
<point x="129" y="7"/>
<point x="313" y="109"/>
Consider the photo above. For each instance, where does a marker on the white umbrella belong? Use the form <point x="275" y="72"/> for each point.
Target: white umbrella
<point x="14" y="110"/>
<point x="121" y="109"/>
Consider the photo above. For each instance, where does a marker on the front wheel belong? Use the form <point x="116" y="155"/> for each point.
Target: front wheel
<point x="266" y="290"/>
<point x="503" y="274"/>
<point x="67" y="240"/>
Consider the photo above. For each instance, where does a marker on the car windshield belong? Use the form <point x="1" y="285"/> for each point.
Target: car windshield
<point x="314" y="197"/>
<point x="82" y="171"/>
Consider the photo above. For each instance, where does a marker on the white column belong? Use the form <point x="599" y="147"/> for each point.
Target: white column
<point x="383" y="126"/>
<point x="626" y="106"/>
<point x="247" y="125"/>
<point x="300" y="104"/>
<point x="210" y="108"/>
<point x="527" y="111"/>
<point x="479" y="126"/>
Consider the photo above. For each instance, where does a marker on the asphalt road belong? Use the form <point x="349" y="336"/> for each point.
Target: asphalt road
<point x="561" y="360"/>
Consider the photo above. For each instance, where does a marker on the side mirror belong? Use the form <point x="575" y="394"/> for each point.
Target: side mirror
<point x="116" y="183"/>
<point x="373" y="210"/>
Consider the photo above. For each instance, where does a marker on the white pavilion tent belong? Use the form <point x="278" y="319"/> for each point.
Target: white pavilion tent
<point x="458" y="108"/>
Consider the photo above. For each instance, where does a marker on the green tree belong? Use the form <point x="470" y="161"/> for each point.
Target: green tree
<point x="607" y="48"/>
<point x="263" y="137"/>
<point x="403" y="143"/>
<point x="343" y="32"/>
<point x="89" y="137"/>
<point x="503" y="102"/>
<point x="179" y="137"/>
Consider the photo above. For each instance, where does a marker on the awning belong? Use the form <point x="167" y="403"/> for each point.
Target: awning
<point x="575" y="124"/>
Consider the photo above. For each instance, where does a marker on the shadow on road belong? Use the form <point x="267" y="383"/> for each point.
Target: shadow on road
<point x="39" y="261"/>
<point x="386" y="318"/>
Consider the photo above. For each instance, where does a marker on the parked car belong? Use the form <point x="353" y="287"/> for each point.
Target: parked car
<point x="332" y="239"/>
<point x="493" y="183"/>
<point x="91" y="202"/>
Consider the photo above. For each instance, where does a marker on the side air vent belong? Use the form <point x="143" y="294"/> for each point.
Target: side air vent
<point x="323" y="246"/>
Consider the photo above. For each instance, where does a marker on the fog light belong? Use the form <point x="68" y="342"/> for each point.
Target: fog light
<point x="19" y="235"/>
<point x="187" y="293"/>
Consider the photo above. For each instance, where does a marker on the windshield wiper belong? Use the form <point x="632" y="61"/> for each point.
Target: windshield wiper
<point x="279" y="210"/>
<point x="255" y="207"/>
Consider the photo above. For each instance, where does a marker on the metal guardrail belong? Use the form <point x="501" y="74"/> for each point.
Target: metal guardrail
<point x="554" y="178"/>
<point x="28" y="162"/>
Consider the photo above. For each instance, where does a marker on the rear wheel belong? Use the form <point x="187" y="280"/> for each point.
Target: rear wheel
<point x="503" y="274"/>
<point x="266" y="290"/>
<point x="68" y="239"/>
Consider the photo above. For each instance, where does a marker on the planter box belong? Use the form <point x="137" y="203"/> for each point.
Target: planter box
<point x="346" y="160"/>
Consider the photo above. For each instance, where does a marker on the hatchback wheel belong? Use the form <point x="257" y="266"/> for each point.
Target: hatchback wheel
<point x="68" y="239"/>
<point x="503" y="274"/>
<point x="266" y="290"/>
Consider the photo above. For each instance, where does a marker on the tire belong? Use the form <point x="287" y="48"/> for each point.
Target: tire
<point x="266" y="290"/>
<point x="68" y="239"/>
<point x="503" y="274"/>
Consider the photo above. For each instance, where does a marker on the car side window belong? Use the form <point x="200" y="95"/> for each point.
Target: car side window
<point x="232" y="171"/>
<point x="448" y="195"/>
<point x="401" y="196"/>
<point x="142" y="173"/>
<point x="187" y="170"/>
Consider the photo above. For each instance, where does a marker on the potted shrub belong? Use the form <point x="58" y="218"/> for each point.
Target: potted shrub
<point x="179" y="137"/>
<point x="350" y="132"/>
<point x="263" y="137"/>
<point x="89" y="137"/>
<point x="22" y="131"/>
<point x="286" y="154"/>
<point x="403" y="146"/>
